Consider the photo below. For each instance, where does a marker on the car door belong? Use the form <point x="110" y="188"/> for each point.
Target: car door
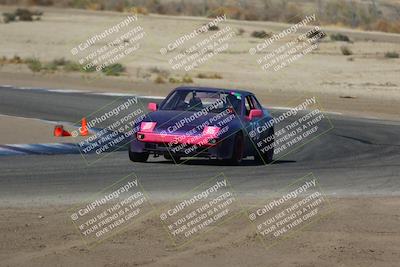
<point x="250" y="124"/>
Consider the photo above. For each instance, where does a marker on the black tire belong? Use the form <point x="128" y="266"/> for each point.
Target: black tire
<point x="138" y="157"/>
<point x="268" y="156"/>
<point x="238" y="151"/>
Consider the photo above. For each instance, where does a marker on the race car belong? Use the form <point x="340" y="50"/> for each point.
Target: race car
<point x="204" y="122"/>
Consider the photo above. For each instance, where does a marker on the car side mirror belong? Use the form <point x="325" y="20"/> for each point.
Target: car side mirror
<point x="152" y="106"/>
<point x="255" y="113"/>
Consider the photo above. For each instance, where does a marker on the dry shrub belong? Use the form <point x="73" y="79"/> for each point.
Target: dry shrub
<point x="34" y="64"/>
<point x="9" y="17"/>
<point x="94" y="6"/>
<point x="213" y="28"/>
<point x="346" y="50"/>
<point x="230" y="12"/>
<point x="22" y="14"/>
<point x="209" y="76"/>
<point x="185" y="79"/>
<point x="15" y="60"/>
<point x="174" y="80"/>
<point x="250" y="13"/>
<point x="138" y="10"/>
<point x="260" y="34"/>
<point x="160" y="72"/>
<point x="391" y="54"/>
<point x="293" y="13"/>
<point x="386" y="26"/>
<point x="349" y="13"/>
<point x="340" y="37"/>
<point x="159" y="79"/>
<point x="3" y="60"/>
<point x="241" y="31"/>
<point x="41" y="2"/>
<point x="382" y="25"/>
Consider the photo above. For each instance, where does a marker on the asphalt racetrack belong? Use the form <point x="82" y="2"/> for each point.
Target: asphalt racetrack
<point x="356" y="157"/>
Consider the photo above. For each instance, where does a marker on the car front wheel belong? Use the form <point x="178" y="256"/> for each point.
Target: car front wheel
<point x="138" y="157"/>
<point x="238" y="150"/>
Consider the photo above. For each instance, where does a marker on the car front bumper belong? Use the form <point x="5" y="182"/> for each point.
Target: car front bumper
<point x="186" y="146"/>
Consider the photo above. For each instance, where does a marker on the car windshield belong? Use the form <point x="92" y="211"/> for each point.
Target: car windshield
<point x="195" y="100"/>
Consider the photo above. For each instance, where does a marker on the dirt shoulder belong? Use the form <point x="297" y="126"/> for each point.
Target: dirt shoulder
<point x="358" y="106"/>
<point x="18" y="130"/>
<point x="360" y="231"/>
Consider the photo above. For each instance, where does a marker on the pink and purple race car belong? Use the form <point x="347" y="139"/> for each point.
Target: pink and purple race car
<point x="204" y="122"/>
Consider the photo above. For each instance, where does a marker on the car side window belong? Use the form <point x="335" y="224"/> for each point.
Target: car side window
<point x="171" y="101"/>
<point x="183" y="102"/>
<point x="256" y="104"/>
<point x="188" y="97"/>
<point x="249" y="105"/>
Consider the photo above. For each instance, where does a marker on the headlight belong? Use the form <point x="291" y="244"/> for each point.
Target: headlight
<point x="147" y="126"/>
<point x="211" y="131"/>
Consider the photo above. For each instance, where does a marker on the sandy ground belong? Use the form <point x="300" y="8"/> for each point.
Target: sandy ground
<point x="359" y="232"/>
<point x="18" y="130"/>
<point x="366" y="106"/>
<point x="367" y="85"/>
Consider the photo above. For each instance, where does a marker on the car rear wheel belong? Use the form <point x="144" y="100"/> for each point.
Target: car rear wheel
<point x="138" y="157"/>
<point x="238" y="149"/>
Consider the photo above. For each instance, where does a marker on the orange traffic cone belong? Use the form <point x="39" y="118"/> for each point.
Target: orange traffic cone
<point x="65" y="133"/>
<point x="84" y="130"/>
<point x="59" y="131"/>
